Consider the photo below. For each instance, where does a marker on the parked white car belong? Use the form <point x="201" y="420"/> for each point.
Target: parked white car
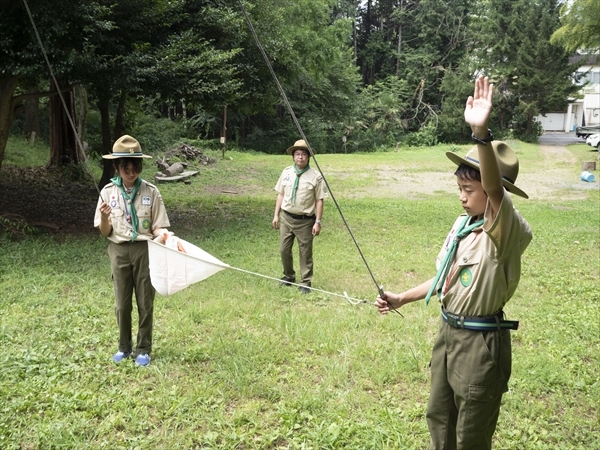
<point x="593" y="140"/>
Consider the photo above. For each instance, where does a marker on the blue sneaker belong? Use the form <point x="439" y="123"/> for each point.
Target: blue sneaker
<point x="120" y="356"/>
<point x="142" y="360"/>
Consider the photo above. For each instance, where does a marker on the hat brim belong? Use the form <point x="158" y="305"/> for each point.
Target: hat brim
<point x="510" y="187"/>
<point x="125" y="155"/>
<point x="293" y="148"/>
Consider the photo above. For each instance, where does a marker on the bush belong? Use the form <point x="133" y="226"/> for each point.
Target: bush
<point x="425" y="137"/>
<point x="157" y="135"/>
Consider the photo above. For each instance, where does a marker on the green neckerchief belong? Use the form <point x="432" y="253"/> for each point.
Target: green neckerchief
<point x="128" y="199"/>
<point x="442" y="273"/>
<point x="297" y="180"/>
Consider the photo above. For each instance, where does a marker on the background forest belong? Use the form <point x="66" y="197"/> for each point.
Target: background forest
<point x="359" y="74"/>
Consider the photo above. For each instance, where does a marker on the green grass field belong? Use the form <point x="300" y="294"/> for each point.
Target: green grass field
<point x="240" y="363"/>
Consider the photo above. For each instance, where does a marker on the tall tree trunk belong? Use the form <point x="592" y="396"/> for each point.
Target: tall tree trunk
<point x="63" y="138"/>
<point x="82" y="111"/>
<point x="120" y="116"/>
<point x="399" y="42"/>
<point x="366" y="69"/>
<point x="7" y="89"/>
<point x="32" y="115"/>
<point x="108" y="170"/>
<point x="354" y="31"/>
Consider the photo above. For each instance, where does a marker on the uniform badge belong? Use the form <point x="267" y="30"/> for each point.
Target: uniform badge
<point x="146" y="224"/>
<point x="113" y="201"/>
<point x="146" y="201"/>
<point x="466" y="277"/>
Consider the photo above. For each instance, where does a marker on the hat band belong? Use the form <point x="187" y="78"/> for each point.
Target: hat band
<point x="125" y="154"/>
<point x="473" y="160"/>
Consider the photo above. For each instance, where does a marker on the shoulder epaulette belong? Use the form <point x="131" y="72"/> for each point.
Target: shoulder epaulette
<point x="150" y="185"/>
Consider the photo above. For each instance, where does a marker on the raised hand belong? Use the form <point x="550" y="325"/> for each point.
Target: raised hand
<point x="479" y="106"/>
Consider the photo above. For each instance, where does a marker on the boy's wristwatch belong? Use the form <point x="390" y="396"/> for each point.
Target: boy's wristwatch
<point x="318" y="221"/>
<point x="485" y="140"/>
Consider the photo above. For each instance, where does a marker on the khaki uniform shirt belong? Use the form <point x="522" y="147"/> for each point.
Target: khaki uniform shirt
<point x="310" y="189"/>
<point x="148" y="204"/>
<point x="487" y="266"/>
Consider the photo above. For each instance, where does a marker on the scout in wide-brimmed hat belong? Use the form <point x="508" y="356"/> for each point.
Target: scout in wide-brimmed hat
<point x="300" y="193"/>
<point x="299" y="145"/>
<point x="507" y="160"/>
<point x="478" y="271"/>
<point x="126" y="147"/>
<point x="117" y="219"/>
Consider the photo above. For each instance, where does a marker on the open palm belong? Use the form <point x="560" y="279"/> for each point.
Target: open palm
<point x="479" y="106"/>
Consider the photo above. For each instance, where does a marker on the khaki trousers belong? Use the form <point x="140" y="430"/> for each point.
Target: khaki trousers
<point x="469" y="373"/>
<point x="131" y="272"/>
<point x="301" y="230"/>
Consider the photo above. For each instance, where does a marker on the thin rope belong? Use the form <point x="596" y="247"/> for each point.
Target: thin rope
<point x="312" y="153"/>
<point x="291" y="111"/>
<point x="62" y="99"/>
<point x="351" y="300"/>
<point x="64" y="103"/>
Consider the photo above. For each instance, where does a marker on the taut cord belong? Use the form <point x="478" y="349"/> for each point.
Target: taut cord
<point x="351" y="300"/>
<point x="312" y="153"/>
<point x="64" y="103"/>
<point x="286" y="101"/>
<point x="62" y="99"/>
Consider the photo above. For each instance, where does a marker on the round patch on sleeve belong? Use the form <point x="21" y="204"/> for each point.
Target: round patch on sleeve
<point x="466" y="277"/>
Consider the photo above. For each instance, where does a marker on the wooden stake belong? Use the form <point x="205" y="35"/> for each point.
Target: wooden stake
<point x="224" y="133"/>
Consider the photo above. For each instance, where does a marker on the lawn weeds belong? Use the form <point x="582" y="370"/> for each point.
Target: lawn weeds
<point x="242" y="363"/>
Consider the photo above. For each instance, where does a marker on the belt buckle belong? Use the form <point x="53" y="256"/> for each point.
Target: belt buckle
<point x="450" y="320"/>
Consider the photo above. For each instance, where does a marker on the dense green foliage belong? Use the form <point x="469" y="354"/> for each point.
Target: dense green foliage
<point x="580" y="26"/>
<point x="532" y="76"/>
<point x="375" y="73"/>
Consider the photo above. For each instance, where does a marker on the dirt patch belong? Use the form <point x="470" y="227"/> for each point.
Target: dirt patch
<point x="59" y="201"/>
<point x="553" y="178"/>
<point x="558" y="154"/>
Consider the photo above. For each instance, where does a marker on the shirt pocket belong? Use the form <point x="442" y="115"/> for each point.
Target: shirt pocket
<point x="118" y="220"/>
<point x="144" y="219"/>
<point x="468" y="266"/>
<point x="286" y="186"/>
<point x="305" y="193"/>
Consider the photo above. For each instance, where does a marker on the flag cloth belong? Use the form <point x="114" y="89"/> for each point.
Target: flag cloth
<point x="172" y="270"/>
<point x="176" y="264"/>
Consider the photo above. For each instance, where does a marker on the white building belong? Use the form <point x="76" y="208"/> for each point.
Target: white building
<point x="580" y="111"/>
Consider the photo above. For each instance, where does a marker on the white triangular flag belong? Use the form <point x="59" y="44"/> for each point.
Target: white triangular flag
<point x="172" y="270"/>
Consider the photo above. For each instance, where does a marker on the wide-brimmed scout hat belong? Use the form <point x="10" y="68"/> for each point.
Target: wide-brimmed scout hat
<point x="507" y="160"/>
<point x="126" y="147"/>
<point x="299" y="145"/>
